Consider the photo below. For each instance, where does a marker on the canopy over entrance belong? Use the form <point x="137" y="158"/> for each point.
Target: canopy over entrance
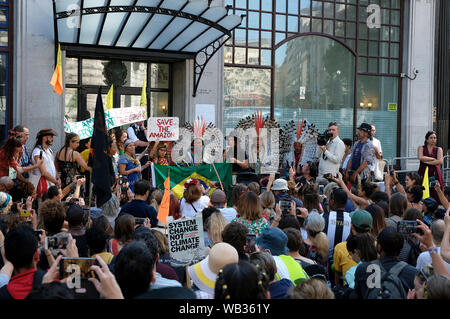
<point x="170" y="30"/>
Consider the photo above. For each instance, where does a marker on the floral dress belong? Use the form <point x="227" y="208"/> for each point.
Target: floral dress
<point x="255" y="227"/>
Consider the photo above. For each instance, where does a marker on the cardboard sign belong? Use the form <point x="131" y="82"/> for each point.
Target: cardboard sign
<point x="113" y="118"/>
<point x="162" y="129"/>
<point x="186" y="242"/>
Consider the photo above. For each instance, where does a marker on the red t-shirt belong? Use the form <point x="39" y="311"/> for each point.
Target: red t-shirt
<point x="5" y="164"/>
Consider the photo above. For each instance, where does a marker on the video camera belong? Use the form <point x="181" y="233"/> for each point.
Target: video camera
<point x="322" y="139"/>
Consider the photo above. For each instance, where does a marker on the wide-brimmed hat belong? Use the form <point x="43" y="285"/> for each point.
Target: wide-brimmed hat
<point x="280" y="185"/>
<point x="204" y="273"/>
<point x="274" y="239"/>
<point x="45" y="132"/>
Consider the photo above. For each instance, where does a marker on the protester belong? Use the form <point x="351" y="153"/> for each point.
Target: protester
<point x="123" y="231"/>
<point x="278" y="289"/>
<point x="331" y="154"/>
<point x="174" y="207"/>
<point x="397" y="206"/>
<point x="204" y="273"/>
<point x="268" y="205"/>
<point x="193" y="201"/>
<point x="241" y="280"/>
<point x="414" y="196"/>
<point x="129" y="164"/>
<point x="363" y="155"/>
<point x="429" y="207"/>
<point x="5" y="203"/>
<point x="317" y="242"/>
<point x="68" y="162"/>
<point x="297" y="248"/>
<point x="158" y="154"/>
<point x="44" y="176"/>
<point x="389" y="245"/>
<point x="214" y="227"/>
<point x="437" y="231"/>
<point x="23" y="133"/>
<point x="250" y="214"/>
<point x="121" y="137"/>
<point x="97" y="240"/>
<point x="138" y="207"/>
<point x="219" y="200"/>
<point x="378" y="165"/>
<point x="235" y="234"/>
<point x="377" y="218"/>
<point x="361" y="248"/>
<point x="77" y="220"/>
<point x="275" y="240"/>
<point x="431" y="157"/>
<point x="313" y="288"/>
<point x="361" y="223"/>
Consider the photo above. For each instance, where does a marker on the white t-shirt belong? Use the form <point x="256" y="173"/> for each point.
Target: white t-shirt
<point x="376" y="143"/>
<point x="229" y="213"/>
<point x="189" y="211"/>
<point x="49" y="161"/>
<point x="425" y="259"/>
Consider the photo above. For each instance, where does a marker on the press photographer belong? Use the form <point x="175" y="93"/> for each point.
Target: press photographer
<point x="331" y="150"/>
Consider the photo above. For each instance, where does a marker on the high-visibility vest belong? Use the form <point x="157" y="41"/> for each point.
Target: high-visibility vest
<point x="289" y="268"/>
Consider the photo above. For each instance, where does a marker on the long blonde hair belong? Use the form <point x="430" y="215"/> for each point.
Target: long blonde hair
<point x="215" y="225"/>
<point x="315" y="224"/>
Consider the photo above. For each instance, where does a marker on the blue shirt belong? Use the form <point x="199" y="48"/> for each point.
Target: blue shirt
<point x="139" y="208"/>
<point x="356" y="156"/>
<point x="133" y="177"/>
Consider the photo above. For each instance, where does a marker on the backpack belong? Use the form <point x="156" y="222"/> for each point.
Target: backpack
<point x="391" y="286"/>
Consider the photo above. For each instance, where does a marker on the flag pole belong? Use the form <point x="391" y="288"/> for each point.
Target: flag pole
<point x="220" y="181"/>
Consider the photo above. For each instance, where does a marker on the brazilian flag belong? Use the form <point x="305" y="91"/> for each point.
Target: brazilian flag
<point x="204" y="173"/>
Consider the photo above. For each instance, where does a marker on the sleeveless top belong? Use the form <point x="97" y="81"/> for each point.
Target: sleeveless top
<point x="433" y="170"/>
<point x="68" y="169"/>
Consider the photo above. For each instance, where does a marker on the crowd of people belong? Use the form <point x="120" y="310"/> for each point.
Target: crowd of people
<point x="340" y="227"/>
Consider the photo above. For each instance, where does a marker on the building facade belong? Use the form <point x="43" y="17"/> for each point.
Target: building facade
<point x="347" y="61"/>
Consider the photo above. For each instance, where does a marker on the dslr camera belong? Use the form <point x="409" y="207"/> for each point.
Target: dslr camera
<point x="322" y="139"/>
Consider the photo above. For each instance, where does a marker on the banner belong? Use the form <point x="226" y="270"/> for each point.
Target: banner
<point x="113" y="118"/>
<point x="163" y="129"/>
<point x="204" y="173"/>
<point x="186" y="240"/>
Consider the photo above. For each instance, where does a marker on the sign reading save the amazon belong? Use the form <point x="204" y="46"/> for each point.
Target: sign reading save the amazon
<point x="162" y="129"/>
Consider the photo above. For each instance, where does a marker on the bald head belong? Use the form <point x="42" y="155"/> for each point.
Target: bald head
<point x="437" y="230"/>
<point x="6" y="183"/>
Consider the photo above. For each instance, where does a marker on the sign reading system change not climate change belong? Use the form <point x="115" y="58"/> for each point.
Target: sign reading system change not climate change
<point x="186" y="242"/>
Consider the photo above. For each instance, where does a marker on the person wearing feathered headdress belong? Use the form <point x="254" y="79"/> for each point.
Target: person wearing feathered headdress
<point x="294" y="156"/>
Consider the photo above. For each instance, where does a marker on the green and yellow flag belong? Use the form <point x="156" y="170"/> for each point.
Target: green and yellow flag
<point x="204" y="173"/>
<point x="57" y="78"/>
<point x="110" y="98"/>
<point x="425" y="184"/>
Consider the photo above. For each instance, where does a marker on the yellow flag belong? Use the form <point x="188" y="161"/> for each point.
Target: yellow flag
<point x="144" y="95"/>
<point x="110" y="98"/>
<point x="425" y="184"/>
<point x="163" y="211"/>
<point x="57" y="81"/>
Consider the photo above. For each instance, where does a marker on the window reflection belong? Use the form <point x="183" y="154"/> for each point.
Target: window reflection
<point x="324" y="70"/>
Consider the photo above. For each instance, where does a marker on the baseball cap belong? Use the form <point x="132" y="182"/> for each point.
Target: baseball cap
<point x="218" y="197"/>
<point x="365" y="127"/>
<point x="362" y="219"/>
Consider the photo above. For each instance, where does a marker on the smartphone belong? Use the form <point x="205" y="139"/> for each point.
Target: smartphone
<point x="432" y="181"/>
<point x="56" y="242"/>
<point x="139" y="221"/>
<point x="407" y="227"/>
<point x="285" y="206"/>
<point x="123" y="179"/>
<point x="38" y="234"/>
<point x="23" y="201"/>
<point x="321" y="187"/>
<point x="250" y="244"/>
<point x="70" y="265"/>
<point x="78" y="272"/>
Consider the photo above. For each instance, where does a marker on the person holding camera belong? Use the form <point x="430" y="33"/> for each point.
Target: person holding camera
<point x="331" y="153"/>
<point x="363" y="155"/>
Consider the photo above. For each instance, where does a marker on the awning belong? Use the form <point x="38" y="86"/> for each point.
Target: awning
<point x="176" y="29"/>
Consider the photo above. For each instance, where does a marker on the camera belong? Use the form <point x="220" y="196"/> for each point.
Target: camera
<point x="285" y="206"/>
<point x="123" y="179"/>
<point x="432" y="184"/>
<point x="407" y="227"/>
<point x="322" y="139"/>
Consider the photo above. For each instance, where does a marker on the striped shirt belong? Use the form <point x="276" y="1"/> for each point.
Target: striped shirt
<point x="337" y="227"/>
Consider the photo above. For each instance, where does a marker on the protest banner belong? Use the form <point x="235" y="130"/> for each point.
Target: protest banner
<point x="113" y="117"/>
<point x="186" y="241"/>
<point x="162" y="129"/>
